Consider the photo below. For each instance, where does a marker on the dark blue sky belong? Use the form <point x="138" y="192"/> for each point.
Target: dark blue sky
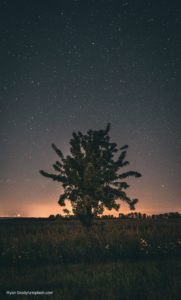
<point x="76" y="65"/>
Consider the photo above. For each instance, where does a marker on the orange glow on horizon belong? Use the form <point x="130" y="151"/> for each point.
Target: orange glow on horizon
<point x="47" y="204"/>
<point x="45" y="210"/>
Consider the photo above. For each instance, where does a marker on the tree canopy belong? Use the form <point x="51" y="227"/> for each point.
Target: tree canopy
<point x="90" y="174"/>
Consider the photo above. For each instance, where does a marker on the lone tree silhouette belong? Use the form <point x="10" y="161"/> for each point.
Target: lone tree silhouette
<point x="90" y="175"/>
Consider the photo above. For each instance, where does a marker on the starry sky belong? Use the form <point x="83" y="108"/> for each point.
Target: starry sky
<point x="76" y="65"/>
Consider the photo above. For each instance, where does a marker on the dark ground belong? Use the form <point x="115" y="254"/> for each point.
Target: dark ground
<point x="117" y="259"/>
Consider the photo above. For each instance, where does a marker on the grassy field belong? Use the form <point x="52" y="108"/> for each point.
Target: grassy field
<point x="117" y="259"/>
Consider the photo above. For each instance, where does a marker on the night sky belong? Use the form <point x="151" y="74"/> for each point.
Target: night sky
<point x="77" y="65"/>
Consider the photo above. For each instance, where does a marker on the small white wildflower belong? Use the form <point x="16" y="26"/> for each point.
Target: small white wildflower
<point x="143" y="243"/>
<point x="107" y="246"/>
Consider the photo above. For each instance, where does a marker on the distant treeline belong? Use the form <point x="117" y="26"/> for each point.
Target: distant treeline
<point x="135" y="215"/>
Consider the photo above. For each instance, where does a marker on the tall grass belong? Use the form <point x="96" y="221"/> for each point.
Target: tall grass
<point x="115" y="260"/>
<point x="67" y="242"/>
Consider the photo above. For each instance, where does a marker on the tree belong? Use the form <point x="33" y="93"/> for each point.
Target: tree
<point x="90" y="174"/>
<point x="66" y="212"/>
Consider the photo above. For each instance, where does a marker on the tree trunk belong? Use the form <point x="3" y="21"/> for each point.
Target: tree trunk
<point x="87" y="218"/>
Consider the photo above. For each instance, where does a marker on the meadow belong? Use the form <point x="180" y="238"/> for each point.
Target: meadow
<point x="116" y="259"/>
